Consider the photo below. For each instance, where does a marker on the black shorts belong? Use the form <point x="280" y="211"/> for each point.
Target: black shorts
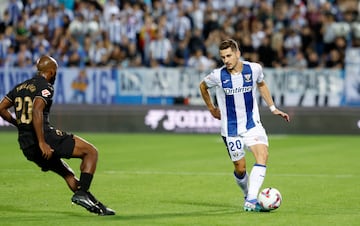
<point x="63" y="144"/>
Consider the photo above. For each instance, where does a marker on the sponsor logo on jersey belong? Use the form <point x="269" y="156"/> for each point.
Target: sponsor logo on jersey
<point x="45" y="93"/>
<point x="226" y="81"/>
<point x="232" y="91"/>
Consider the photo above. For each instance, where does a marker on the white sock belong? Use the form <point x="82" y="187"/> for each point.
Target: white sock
<point x="256" y="180"/>
<point x="242" y="182"/>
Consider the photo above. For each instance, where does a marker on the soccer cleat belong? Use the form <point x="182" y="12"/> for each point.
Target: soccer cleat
<point x="253" y="206"/>
<point x="85" y="200"/>
<point x="89" y="202"/>
<point x="105" y="211"/>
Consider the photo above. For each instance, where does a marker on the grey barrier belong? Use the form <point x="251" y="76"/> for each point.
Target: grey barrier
<point x="195" y="119"/>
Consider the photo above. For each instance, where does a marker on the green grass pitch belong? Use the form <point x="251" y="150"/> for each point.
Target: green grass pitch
<point x="168" y="179"/>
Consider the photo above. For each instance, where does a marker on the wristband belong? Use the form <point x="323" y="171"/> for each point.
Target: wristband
<point x="272" y="108"/>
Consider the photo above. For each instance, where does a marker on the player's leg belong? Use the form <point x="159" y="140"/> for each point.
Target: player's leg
<point x="241" y="176"/>
<point x="256" y="140"/>
<point x="63" y="169"/>
<point x="258" y="171"/>
<point x="55" y="164"/>
<point x="89" y="155"/>
<point x="235" y="148"/>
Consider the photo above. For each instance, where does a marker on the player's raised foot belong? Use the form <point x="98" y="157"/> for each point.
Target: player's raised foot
<point x="87" y="201"/>
<point x="253" y="206"/>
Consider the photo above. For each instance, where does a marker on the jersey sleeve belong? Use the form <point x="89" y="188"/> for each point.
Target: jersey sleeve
<point x="258" y="71"/>
<point x="45" y="91"/>
<point x="10" y="96"/>
<point x="211" y="79"/>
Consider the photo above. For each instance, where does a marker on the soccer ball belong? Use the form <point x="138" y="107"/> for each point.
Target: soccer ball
<point x="270" y="199"/>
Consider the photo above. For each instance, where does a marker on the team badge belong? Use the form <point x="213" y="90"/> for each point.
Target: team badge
<point x="45" y="93"/>
<point x="247" y="77"/>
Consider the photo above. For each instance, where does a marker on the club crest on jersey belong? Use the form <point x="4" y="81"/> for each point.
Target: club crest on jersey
<point x="247" y="77"/>
<point x="45" y="93"/>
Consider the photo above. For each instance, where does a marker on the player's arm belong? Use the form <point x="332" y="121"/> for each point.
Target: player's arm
<point x="215" y="112"/>
<point x="5" y="104"/>
<point x="266" y="95"/>
<point x="38" y="123"/>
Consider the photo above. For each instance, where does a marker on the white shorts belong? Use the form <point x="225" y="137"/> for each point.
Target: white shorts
<point x="236" y="145"/>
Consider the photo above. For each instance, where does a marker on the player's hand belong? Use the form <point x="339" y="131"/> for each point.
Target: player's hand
<point x="282" y="114"/>
<point x="215" y="112"/>
<point x="46" y="150"/>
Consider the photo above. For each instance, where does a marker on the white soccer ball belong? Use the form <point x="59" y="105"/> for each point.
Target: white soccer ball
<point x="270" y="199"/>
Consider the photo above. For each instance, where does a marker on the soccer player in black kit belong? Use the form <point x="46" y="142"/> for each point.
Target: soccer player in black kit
<point x="45" y="145"/>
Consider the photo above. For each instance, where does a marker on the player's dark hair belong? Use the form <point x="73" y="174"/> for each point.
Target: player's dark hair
<point x="229" y="43"/>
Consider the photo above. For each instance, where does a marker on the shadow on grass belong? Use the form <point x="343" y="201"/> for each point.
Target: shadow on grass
<point x="79" y="215"/>
<point x="37" y="214"/>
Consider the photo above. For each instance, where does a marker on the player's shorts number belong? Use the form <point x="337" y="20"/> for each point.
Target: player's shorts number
<point x="235" y="148"/>
<point x="23" y="109"/>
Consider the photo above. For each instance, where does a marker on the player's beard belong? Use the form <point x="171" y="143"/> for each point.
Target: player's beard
<point x="230" y="67"/>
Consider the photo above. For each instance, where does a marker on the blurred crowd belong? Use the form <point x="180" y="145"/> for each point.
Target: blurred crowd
<point x="178" y="33"/>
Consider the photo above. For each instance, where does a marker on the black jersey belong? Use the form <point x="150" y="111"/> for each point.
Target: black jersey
<point x="23" y="96"/>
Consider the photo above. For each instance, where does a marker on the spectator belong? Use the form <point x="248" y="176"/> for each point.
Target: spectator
<point x="79" y="86"/>
<point x="110" y="7"/>
<point x="313" y="59"/>
<point x="75" y="54"/>
<point x="212" y="44"/>
<point x="99" y="54"/>
<point x="146" y="34"/>
<point x="5" y="43"/>
<point x="266" y="53"/>
<point x="200" y="62"/>
<point x="292" y="45"/>
<point x="160" y="50"/>
<point x="182" y="54"/>
<point x="14" y="9"/>
<point x="246" y="48"/>
<point x="114" y="29"/>
<point x="11" y="57"/>
<point x="196" y="41"/>
<point x="22" y="34"/>
<point x="334" y="60"/>
<point x="133" y="58"/>
<point x="197" y="15"/>
<point x="182" y="27"/>
<point x="24" y="55"/>
<point x="314" y="21"/>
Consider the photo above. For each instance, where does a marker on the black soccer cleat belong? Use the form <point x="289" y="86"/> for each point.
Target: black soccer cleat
<point x="105" y="211"/>
<point x="89" y="202"/>
<point x="83" y="199"/>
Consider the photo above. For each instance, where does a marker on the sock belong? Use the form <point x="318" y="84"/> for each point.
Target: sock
<point x="85" y="181"/>
<point x="242" y="181"/>
<point x="256" y="180"/>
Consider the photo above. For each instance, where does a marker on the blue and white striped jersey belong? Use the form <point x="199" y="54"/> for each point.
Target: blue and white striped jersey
<point x="236" y="97"/>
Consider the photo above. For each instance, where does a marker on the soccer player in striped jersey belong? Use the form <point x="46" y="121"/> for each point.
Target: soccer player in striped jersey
<point x="236" y="83"/>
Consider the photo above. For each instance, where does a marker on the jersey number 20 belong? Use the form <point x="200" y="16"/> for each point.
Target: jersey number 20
<point x="23" y="108"/>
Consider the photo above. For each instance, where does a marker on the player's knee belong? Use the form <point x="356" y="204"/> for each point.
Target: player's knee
<point x="94" y="152"/>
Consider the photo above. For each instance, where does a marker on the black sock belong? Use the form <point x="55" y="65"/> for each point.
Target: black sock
<point x="85" y="181"/>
